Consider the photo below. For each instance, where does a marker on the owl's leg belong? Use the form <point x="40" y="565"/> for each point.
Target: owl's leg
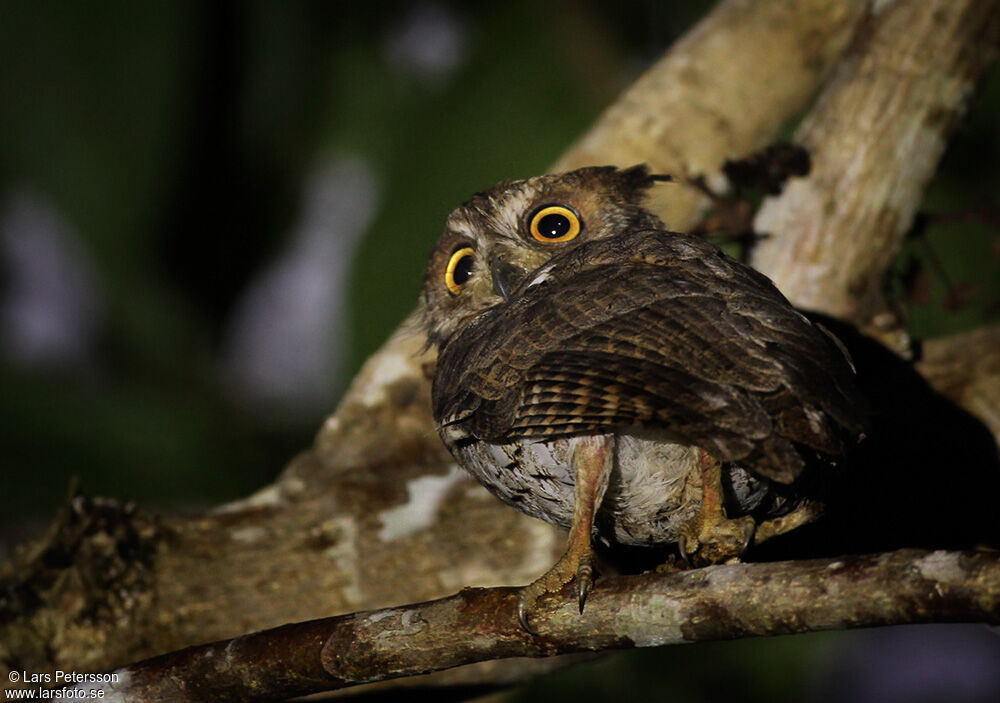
<point x="710" y="537"/>
<point x="593" y="457"/>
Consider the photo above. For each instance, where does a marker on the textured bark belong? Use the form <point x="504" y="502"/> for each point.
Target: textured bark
<point x="876" y="135"/>
<point x="718" y="602"/>
<point x="375" y="513"/>
<point x="722" y="92"/>
<point x="966" y="368"/>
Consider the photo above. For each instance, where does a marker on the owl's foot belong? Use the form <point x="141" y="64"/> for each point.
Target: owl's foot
<point x="572" y="567"/>
<point x="592" y="460"/>
<point x="710" y="537"/>
<point x="715" y="541"/>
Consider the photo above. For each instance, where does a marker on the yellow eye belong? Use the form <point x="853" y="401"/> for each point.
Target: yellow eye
<point x="459" y="269"/>
<point x="554" y="223"/>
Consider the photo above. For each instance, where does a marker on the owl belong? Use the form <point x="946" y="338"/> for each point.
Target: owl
<point x="626" y="382"/>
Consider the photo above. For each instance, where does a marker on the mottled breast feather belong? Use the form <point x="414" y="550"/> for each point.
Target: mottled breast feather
<point x="653" y="329"/>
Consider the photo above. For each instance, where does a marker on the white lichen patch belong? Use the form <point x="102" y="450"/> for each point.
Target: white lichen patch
<point x="412" y="622"/>
<point x="248" y="535"/>
<point x="717" y="182"/>
<point x="942" y="567"/>
<point x="344" y="555"/>
<point x="804" y="267"/>
<point x="388" y="368"/>
<point x="380" y="615"/>
<point x="407" y="622"/>
<point x="660" y="623"/>
<point x="721" y="576"/>
<point x="270" y="496"/>
<point x="421" y="509"/>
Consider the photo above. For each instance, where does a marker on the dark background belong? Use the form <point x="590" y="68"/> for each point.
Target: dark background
<point x="212" y="212"/>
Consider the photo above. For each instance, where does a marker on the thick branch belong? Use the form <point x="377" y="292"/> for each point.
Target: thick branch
<point x="966" y="368"/>
<point x="723" y="91"/>
<point x="719" y="602"/>
<point x="875" y="137"/>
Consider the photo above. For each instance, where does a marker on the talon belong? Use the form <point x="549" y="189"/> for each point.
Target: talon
<point x="522" y="614"/>
<point x="683" y="552"/>
<point x="749" y="539"/>
<point x="570" y="568"/>
<point x="584" y="584"/>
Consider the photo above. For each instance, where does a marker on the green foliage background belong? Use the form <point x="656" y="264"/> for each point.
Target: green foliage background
<point x="174" y="136"/>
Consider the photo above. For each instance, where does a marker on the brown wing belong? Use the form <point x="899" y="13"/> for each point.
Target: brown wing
<point x="653" y="329"/>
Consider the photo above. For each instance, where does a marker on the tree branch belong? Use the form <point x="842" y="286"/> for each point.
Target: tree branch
<point x="718" y="602"/>
<point x="723" y="91"/>
<point x="966" y="368"/>
<point x="876" y="135"/>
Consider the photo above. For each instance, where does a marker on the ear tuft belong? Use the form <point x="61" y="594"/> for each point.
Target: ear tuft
<point x="636" y="180"/>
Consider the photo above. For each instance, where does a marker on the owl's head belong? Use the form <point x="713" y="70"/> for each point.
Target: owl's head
<point x="493" y="241"/>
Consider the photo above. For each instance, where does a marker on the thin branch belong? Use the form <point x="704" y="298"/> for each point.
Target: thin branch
<point x="718" y="602"/>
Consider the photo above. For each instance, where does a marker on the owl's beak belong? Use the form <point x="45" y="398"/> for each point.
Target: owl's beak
<point x="506" y="276"/>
